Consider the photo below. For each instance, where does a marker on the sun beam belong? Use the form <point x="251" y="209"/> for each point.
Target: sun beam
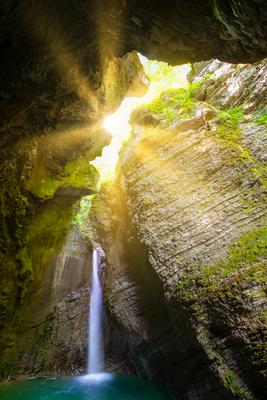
<point x="162" y="76"/>
<point x="117" y="124"/>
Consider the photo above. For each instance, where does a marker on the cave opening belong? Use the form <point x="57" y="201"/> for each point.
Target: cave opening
<point x="159" y="77"/>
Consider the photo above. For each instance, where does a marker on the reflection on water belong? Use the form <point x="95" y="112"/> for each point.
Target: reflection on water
<point x="88" y="387"/>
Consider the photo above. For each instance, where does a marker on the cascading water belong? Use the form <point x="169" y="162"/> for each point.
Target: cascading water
<point x="96" y="326"/>
<point x="96" y="385"/>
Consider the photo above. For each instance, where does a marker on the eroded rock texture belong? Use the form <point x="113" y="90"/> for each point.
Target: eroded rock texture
<point x="193" y="188"/>
<point x="49" y="333"/>
<point x="49" y="161"/>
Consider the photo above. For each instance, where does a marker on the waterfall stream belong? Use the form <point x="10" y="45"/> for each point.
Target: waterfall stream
<point x="96" y="314"/>
<point x="95" y="385"/>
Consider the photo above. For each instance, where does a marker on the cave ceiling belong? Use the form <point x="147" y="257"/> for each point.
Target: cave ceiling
<point x="54" y="53"/>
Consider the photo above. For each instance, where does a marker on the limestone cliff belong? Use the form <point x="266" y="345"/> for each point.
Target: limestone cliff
<point x="183" y="230"/>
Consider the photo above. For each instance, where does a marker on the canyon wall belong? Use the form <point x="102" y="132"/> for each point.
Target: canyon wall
<point x="43" y="177"/>
<point x="64" y="67"/>
<point x="60" y="78"/>
<point x="183" y="230"/>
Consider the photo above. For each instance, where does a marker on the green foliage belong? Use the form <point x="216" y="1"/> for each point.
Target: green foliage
<point x="159" y="71"/>
<point x="173" y="104"/>
<point x="164" y="75"/>
<point x="81" y="218"/>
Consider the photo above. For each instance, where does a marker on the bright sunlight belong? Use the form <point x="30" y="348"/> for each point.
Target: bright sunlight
<point x="162" y="76"/>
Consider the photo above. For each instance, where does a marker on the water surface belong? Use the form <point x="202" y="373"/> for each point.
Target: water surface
<point x="89" y="387"/>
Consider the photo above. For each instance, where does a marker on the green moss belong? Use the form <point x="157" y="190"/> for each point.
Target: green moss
<point x="261" y="119"/>
<point x="15" y="212"/>
<point x="224" y="293"/>
<point x="173" y="104"/>
<point x="232" y="115"/>
<point x="13" y="207"/>
<point x="78" y="173"/>
<point x="50" y="219"/>
<point x="24" y="271"/>
<point x="231" y="383"/>
<point x="246" y="259"/>
<point x="229" y="135"/>
<point x="147" y="202"/>
<point x="8" y="292"/>
<point x="248" y="250"/>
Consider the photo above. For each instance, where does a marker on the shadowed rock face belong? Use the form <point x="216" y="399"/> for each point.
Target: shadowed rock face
<point x="49" y="336"/>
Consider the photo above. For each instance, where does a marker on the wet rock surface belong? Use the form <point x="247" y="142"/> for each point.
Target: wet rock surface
<point x="49" y="333"/>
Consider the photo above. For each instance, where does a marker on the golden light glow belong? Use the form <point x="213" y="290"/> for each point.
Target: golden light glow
<point x="59" y="49"/>
<point x="117" y="124"/>
<point x="108" y="18"/>
<point x="160" y="80"/>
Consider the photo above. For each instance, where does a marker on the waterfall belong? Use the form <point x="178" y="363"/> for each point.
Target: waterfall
<point x="96" y="333"/>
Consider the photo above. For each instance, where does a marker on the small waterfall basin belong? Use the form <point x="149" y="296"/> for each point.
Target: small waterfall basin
<point x="103" y="386"/>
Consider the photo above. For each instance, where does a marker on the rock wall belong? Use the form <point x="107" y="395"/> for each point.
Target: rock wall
<point x="48" y="334"/>
<point x="191" y="220"/>
<point x="45" y="158"/>
<point x="143" y="336"/>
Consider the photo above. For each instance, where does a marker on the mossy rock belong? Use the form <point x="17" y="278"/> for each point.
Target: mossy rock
<point x="227" y="294"/>
<point x="77" y="173"/>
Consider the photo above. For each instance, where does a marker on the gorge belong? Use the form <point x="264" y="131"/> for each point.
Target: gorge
<point x="178" y="205"/>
